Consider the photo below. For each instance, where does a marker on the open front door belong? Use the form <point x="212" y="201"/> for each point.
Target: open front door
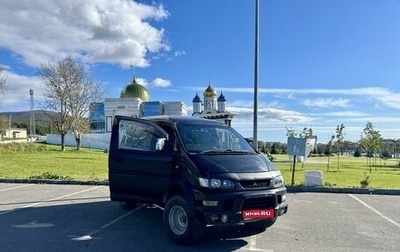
<point x="137" y="171"/>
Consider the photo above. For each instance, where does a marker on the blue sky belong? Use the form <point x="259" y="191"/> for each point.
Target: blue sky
<point x="321" y="63"/>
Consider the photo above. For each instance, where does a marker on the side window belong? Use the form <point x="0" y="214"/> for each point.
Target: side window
<point x="171" y="143"/>
<point x="136" y="136"/>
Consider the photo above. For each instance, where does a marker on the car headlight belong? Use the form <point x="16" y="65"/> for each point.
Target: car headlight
<point x="216" y="183"/>
<point x="277" y="182"/>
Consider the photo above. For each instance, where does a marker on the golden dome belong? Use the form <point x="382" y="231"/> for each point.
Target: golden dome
<point x="210" y="92"/>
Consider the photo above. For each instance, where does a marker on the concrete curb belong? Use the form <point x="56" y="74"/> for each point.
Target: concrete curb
<point x="376" y="191"/>
<point x="48" y="181"/>
<point x="290" y="189"/>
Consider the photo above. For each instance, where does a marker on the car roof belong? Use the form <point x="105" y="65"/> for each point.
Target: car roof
<point x="183" y="119"/>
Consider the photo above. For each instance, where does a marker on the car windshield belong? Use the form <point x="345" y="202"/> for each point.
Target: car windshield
<point x="210" y="139"/>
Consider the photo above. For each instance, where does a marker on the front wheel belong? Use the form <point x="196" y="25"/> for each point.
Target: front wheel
<point x="180" y="226"/>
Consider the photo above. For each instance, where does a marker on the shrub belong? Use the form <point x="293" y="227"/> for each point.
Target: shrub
<point x="22" y="147"/>
<point x="271" y="158"/>
<point x="357" y="153"/>
<point x="48" y="175"/>
<point x="365" y="182"/>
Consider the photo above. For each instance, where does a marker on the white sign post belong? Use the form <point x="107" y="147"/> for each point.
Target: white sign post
<point x="296" y="147"/>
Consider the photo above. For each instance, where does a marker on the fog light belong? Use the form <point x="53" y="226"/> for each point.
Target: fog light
<point x="214" y="218"/>
<point x="224" y="218"/>
<point x="210" y="203"/>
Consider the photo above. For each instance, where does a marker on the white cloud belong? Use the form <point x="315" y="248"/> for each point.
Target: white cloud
<point x="250" y="104"/>
<point x="348" y="114"/>
<point x="159" y="82"/>
<point x="94" y="31"/>
<point x="385" y="96"/>
<point x="270" y="115"/>
<point x="179" y="53"/>
<point x="18" y="99"/>
<point x="326" y="102"/>
<point x="142" y="81"/>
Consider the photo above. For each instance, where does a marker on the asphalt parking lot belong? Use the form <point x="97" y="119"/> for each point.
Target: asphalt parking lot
<point x="38" y="217"/>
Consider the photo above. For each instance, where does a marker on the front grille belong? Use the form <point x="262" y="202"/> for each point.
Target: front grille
<point x="259" y="203"/>
<point x="255" y="183"/>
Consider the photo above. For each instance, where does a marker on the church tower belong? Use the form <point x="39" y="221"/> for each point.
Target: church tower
<point x="221" y="103"/>
<point x="196" y="104"/>
<point x="212" y="108"/>
<point x="210" y="99"/>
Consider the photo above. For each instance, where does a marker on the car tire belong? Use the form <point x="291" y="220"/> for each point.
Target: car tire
<point x="180" y="225"/>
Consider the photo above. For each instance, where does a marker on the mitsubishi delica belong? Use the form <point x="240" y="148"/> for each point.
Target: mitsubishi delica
<point x="201" y="172"/>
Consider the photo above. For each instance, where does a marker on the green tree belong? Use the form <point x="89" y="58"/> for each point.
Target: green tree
<point x="328" y="150"/>
<point x="274" y="149"/>
<point x="306" y="133"/>
<point x="260" y="145"/>
<point x="357" y="152"/>
<point x="339" y="142"/>
<point x="371" y="141"/>
<point x="290" y="132"/>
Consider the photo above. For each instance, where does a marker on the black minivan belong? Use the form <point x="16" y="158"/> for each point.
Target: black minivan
<point x="201" y="171"/>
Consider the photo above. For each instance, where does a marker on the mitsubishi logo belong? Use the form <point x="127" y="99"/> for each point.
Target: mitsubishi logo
<point x="255" y="184"/>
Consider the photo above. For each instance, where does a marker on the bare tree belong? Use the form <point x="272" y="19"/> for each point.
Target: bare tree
<point x="69" y="91"/>
<point x="3" y="125"/>
<point x="85" y="93"/>
<point x="3" y="82"/>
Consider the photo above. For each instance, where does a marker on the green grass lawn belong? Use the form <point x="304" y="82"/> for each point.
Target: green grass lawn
<point x="351" y="171"/>
<point x="34" y="160"/>
<point x="48" y="161"/>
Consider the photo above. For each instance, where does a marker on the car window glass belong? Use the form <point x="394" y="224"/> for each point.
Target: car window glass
<point x="138" y="136"/>
<point x="171" y="141"/>
<point x="199" y="138"/>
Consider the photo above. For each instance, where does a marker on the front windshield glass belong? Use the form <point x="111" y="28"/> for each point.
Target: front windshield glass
<point x="202" y="138"/>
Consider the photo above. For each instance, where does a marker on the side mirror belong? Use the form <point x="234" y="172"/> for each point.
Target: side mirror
<point x="160" y="144"/>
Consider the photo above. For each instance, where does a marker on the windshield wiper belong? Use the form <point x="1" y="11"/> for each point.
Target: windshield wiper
<point x="211" y="151"/>
<point x="219" y="151"/>
<point x="239" y="151"/>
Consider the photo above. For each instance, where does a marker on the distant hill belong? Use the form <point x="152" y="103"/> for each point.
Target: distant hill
<point x="25" y="116"/>
<point x="22" y="120"/>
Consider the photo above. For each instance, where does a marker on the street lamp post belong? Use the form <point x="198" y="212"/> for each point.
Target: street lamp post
<point x="255" y="109"/>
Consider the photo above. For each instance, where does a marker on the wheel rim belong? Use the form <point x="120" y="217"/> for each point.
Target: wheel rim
<point x="178" y="220"/>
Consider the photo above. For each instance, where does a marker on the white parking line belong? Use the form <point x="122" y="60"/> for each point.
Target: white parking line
<point x="114" y="221"/>
<point x="89" y="236"/>
<point x="49" y="200"/>
<point x="13" y="188"/>
<point x="375" y="211"/>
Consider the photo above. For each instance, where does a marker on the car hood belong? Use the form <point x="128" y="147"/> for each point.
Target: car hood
<point x="226" y="163"/>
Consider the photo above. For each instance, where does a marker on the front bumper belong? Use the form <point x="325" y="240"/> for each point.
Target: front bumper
<point x="225" y="208"/>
